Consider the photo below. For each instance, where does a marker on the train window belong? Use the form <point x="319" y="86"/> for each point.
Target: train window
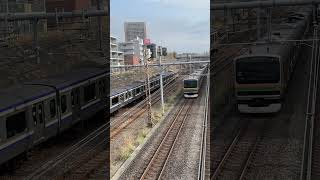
<point x="40" y="110"/>
<point x="53" y="109"/>
<point x="138" y="91"/>
<point x="72" y="98"/>
<point x="89" y="92"/>
<point x="114" y="101"/>
<point x="16" y="124"/>
<point x="102" y="87"/>
<point x="77" y="96"/>
<point x="63" y="103"/>
<point x="34" y="115"/>
<point x="122" y="97"/>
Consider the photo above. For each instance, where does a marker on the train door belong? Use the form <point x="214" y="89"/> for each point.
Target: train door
<point x="75" y="104"/>
<point x="38" y="122"/>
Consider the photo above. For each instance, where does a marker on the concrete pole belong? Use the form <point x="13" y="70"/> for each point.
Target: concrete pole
<point x="161" y="84"/>
<point x="148" y="93"/>
<point x="269" y="14"/>
<point x="258" y="23"/>
<point x="35" y="40"/>
<point x="100" y="7"/>
<point x="6" y="19"/>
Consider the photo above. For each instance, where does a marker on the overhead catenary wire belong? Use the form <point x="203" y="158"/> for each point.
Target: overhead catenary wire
<point x="262" y="4"/>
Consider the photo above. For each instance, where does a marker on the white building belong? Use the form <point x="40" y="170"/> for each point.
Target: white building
<point x="133" y="30"/>
<point x="134" y="50"/>
<point x="116" y="56"/>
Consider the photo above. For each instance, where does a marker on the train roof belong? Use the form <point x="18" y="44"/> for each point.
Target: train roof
<point x="135" y="84"/>
<point x="73" y="77"/>
<point x="20" y="94"/>
<point x="14" y="96"/>
<point x="196" y="74"/>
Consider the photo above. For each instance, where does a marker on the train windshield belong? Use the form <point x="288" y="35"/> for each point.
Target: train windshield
<point x="190" y="84"/>
<point x="254" y="70"/>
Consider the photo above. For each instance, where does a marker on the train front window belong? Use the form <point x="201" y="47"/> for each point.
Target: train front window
<point x="254" y="70"/>
<point x="190" y="84"/>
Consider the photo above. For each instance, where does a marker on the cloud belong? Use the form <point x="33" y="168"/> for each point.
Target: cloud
<point x="182" y="35"/>
<point x="180" y="25"/>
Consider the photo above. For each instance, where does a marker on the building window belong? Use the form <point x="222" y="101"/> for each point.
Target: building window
<point x="53" y="109"/>
<point x="89" y="92"/>
<point x="16" y="124"/>
<point x="63" y="103"/>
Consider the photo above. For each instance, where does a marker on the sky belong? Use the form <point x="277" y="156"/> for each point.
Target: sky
<point x="179" y="25"/>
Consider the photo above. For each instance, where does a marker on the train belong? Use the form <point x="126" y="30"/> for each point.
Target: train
<point x="35" y="111"/>
<point x="262" y="73"/>
<point x="192" y="84"/>
<point x="137" y="90"/>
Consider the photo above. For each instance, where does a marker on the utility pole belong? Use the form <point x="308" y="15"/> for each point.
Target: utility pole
<point x="190" y="65"/>
<point x="269" y="14"/>
<point x="258" y="22"/>
<point x="35" y="40"/>
<point x="147" y="56"/>
<point x="6" y="19"/>
<point x="100" y="7"/>
<point x="161" y="81"/>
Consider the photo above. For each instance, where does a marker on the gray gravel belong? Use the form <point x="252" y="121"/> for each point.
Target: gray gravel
<point x="184" y="159"/>
<point x="137" y="166"/>
<point x="279" y="154"/>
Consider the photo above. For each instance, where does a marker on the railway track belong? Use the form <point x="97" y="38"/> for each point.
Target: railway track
<point x="237" y="158"/>
<point x="310" y="163"/>
<point x="159" y="159"/>
<point x="315" y="172"/>
<point x="204" y="158"/>
<point x="73" y="157"/>
<point x="80" y="160"/>
<point x="118" y="124"/>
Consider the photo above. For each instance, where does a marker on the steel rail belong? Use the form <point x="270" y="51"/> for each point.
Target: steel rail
<point x="60" y="158"/>
<point x="203" y="149"/>
<point x="186" y="106"/>
<point x="308" y="133"/>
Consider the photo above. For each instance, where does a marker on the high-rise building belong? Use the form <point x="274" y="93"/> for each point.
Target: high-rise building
<point x="133" y="30"/>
